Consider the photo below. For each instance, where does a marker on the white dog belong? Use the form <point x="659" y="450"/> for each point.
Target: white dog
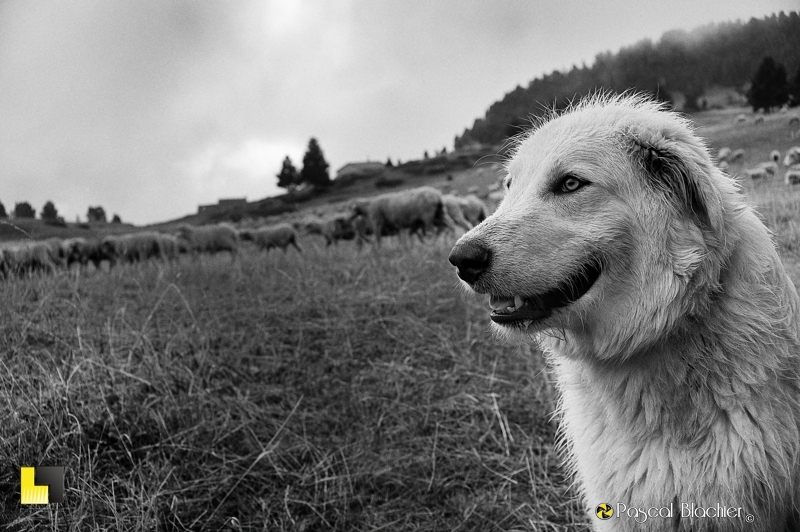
<point x="664" y="309"/>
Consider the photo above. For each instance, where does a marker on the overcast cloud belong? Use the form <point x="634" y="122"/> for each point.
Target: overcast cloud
<point x="151" y="107"/>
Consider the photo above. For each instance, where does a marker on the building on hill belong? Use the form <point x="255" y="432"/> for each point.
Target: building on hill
<point x="222" y="205"/>
<point x="353" y="171"/>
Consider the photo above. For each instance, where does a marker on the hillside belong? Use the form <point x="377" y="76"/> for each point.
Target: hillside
<point x="682" y="67"/>
<point x="457" y="172"/>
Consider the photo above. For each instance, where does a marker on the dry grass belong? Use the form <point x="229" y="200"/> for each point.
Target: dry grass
<point x="333" y="390"/>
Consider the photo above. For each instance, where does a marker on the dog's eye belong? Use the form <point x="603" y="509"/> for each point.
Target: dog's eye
<point x="570" y="184"/>
<point x="508" y="183"/>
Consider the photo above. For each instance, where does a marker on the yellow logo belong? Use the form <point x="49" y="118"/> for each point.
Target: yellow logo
<point x="604" y="511"/>
<point x="50" y="488"/>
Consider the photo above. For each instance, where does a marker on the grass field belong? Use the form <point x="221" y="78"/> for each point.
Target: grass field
<point x="334" y="390"/>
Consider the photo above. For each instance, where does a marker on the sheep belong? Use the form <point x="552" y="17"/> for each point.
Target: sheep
<point x="473" y="189"/>
<point x="82" y="251"/>
<point x="210" y="238"/>
<point x="273" y="236"/>
<point x="333" y="228"/>
<point x="24" y="258"/>
<point x="56" y="250"/>
<point x="474" y="209"/>
<point x="454" y="209"/>
<point x="759" y="119"/>
<point x="775" y="156"/>
<point x="169" y="246"/>
<point x="741" y="118"/>
<point x="792" y="156"/>
<point x="792" y="176"/>
<point x="757" y="173"/>
<point x="723" y="154"/>
<point x="131" y="247"/>
<point x="419" y="209"/>
<point x="770" y="167"/>
<point x="737" y="155"/>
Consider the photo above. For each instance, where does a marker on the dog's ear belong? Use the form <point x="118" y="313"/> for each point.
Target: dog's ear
<point x="680" y="171"/>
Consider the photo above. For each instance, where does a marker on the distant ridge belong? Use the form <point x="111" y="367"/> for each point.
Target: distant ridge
<point x="681" y="65"/>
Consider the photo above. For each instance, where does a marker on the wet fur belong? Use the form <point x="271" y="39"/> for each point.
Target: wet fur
<point x="679" y="370"/>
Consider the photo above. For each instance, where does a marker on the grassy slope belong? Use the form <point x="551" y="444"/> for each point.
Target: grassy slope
<point x="329" y="391"/>
<point x="333" y="390"/>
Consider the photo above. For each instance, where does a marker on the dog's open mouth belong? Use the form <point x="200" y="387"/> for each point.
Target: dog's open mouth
<point x="511" y="310"/>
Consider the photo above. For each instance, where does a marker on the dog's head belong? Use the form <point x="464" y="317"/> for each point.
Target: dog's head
<point x="610" y="232"/>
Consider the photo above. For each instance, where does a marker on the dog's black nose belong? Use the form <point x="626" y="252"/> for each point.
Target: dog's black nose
<point x="471" y="259"/>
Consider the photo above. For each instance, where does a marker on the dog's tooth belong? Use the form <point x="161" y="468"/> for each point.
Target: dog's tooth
<point x="517" y="301"/>
<point x="497" y="302"/>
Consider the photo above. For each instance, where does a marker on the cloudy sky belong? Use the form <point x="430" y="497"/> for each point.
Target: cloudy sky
<point x="151" y="107"/>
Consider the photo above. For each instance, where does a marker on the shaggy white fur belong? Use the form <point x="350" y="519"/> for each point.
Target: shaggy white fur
<point x="679" y="363"/>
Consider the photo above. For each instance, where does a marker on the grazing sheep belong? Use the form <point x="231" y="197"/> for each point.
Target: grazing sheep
<point x="723" y="154"/>
<point x="114" y="248"/>
<point x="273" y="236"/>
<point x="759" y="119"/>
<point x="169" y="246"/>
<point x="757" y="173"/>
<point x="25" y="258"/>
<point x="792" y="156"/>
<point x="794" y="126"/>
<point x="664" y="311"/>
<point x="775" y="156"/>
<point x="771" y="168"/>
<point x="82" y="251"/>
<point x="454" y="209"/>
<point x="132" y="247"/>
<point x="332" y="228"/>
<point x="792" y="176"/>
<point x="56" y="250"/>
<point x="210" y="238"/>
<point x="737" y="155"/>
<point x="420" y="209"/>
<point x="741" y="118"/>
<point x="474" y="209"/>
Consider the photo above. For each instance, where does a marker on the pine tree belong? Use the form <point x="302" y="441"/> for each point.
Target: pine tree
<point x="49" y="211"/>
<point x="288" y="177"/>
<point x="769" y="87"/>
<point x="315" y="167"/>
<point x="794" y="89"/>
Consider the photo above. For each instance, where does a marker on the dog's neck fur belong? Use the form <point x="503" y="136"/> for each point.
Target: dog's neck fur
<point x="693" y="403"/>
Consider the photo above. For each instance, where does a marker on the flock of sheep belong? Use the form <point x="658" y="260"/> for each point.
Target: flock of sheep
<point x="419" y="211"/>
<point x="768" y="169"/>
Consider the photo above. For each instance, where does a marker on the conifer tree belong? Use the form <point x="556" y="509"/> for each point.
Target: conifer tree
<point x="769" y="87"/>
<point x="288" y="177"/>
<point x="315" y="167"/>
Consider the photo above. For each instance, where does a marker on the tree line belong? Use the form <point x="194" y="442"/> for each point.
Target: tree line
<point x="687" y="62"/>
<point x="49" y="213"/>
